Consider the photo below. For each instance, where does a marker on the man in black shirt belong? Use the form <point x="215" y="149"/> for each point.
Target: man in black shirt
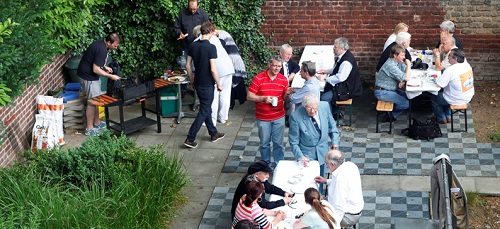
<point x="189" y="18"/>
<point x="93" y="65"/>
<point x="203" y="54"/>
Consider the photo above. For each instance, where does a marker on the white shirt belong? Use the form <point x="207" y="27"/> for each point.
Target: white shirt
<point x="224" y="63"/>
<point x="390" y="39"/>
<point x="344" y="71"/>
<point x="344" y="190"/>
<point x="457" y="82"/>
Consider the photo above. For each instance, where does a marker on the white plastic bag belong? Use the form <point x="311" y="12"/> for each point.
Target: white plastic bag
<point x="50" y="106"/>
<point x="44" y="135"/>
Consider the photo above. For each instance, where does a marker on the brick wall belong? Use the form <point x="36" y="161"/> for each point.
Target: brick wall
<point x="19" y="117"/>
<point x="368" y="23"/>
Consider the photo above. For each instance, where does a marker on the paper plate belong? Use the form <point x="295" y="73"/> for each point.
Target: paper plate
<point x="177" y="78"/>
<point x="294" y="180"/>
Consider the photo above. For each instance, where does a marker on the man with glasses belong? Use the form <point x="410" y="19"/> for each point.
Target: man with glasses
<point x="311" y="126"/>
<point x="457" y="82"/>
<point x="441" y="54"/>
<point x="311" y="85"/>
<point x="269" y="90"/>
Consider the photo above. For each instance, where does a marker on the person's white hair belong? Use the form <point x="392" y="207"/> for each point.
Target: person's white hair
<point x="448" y="25"/>
<point x="402" y="37"/>
<point x="285" y="47"/>
<point x="309" y="99"/>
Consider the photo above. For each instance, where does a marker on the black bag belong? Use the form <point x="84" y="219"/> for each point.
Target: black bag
<point x="418" y="64"/>
<point x="342" y="92"/>
<point x="425" y="130"/>
<point x="113" y="85"/>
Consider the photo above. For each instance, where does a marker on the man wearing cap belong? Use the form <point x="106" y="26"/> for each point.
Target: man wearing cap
<point x="259" y="171"/>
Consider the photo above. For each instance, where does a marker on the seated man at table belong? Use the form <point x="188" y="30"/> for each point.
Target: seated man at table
<point x="391" y="78"/>
<point x="404" y="39"/>
<point x="344" y="75"/>
<point x="344" y="189"/>
<point x="259" y="171"/>
<point x="311" y="85"/>
<point x="310" y="127"/>
<point x="457" y="82"/>
<point x="441" y="54"/>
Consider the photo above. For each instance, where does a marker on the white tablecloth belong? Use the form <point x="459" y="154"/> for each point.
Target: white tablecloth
<point x="322" y="55"/>
<point x="284" y="172"/>
<point x="422" y="80"/>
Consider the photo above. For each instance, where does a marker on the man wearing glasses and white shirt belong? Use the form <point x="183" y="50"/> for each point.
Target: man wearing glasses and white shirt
<point x="344" y="188"/>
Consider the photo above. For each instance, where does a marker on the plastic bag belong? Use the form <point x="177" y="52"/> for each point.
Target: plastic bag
<point x="53" y="107"/>
<point x="44" y="135"/>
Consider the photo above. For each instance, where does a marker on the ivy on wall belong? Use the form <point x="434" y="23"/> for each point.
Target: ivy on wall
<point x="44" y="29"/>
<point x="149" y="44"/>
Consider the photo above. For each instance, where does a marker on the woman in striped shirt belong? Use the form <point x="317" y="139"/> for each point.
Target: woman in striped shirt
<point x="249" y="209"/>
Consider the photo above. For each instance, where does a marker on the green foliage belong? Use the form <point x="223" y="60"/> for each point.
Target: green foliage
<point x="495" y="137"/>
<point x="69" y="19"/>
<point x="120" y="186"/>
<point x="4" y="97"/>
<point x="149" y="44"/>
<point x="32" y="32"/>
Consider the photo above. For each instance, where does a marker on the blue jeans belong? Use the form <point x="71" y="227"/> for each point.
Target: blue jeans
<point x="328" y="97"/>
<point x="440" y="107"/>
<point x="398" y="97"/>
<point x="275" y="131"/>
<point x="206" y="96"/>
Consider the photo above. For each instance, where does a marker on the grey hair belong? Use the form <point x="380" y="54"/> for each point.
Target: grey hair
<point x="309" y="67"/>
<point x="335" y="158"/>
<point x="458" y="55"/>
<point x="197" y="30"/>
<point x="309" y="99"/>
<point x="451" y="39"/>
<point x="342" y="43"/>
<point x="275" y="58"/>
<point x="402" y="37"/>
<point x="285" y="47"/>
<point x="448" y="26"/>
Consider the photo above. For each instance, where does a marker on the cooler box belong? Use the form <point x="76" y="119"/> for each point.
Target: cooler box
<point x="169" y="101"/>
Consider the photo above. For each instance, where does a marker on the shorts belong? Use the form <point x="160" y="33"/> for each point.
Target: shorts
<point x="91" y="88"/>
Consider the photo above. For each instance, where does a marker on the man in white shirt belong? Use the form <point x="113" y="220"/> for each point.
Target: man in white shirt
<point x="344" y="188"/>
<point x="344" y="74"/>
<point x="457" y="82"/>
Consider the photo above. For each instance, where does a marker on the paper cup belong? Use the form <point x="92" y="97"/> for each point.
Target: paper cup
<point x="275" y="101"/>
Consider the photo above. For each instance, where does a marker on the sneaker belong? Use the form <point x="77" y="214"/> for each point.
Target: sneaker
<point x="218" y="136"/>
<point x="92" y="132"/>
<point x="101" y="125"/>
<point x="222" y="121"/>
<point x="190" y="144"/>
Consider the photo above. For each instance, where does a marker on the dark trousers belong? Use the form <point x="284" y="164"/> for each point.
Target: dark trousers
<point x="206" y="96"/>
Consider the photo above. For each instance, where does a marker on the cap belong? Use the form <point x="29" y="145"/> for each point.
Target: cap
<point x="259" y="166"/>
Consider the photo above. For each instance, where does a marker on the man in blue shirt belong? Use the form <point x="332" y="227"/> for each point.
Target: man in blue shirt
<point x="311" y="86"/>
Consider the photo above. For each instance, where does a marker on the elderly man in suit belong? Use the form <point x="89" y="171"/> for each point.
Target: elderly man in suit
<point x="310" y="126"/>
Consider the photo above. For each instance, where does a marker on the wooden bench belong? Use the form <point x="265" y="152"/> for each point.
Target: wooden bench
<point x="462" y="108"/>
<point x="345" y="103"/>
<point x="382" y="107"/>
